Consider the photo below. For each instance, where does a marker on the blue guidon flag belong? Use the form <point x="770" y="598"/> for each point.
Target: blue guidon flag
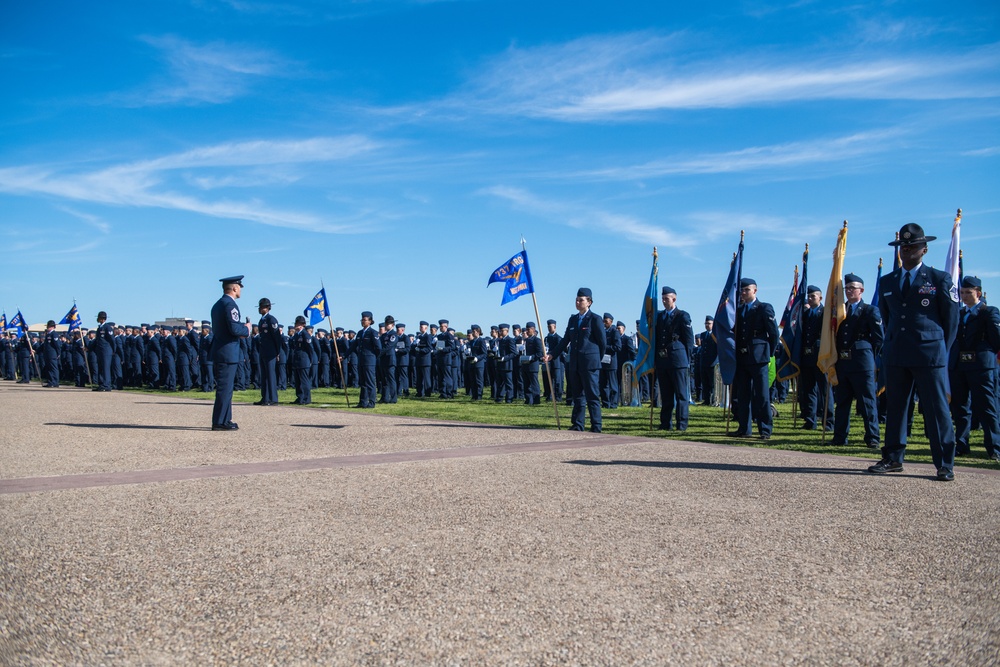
<point x="72" y="318"/>
<point x="317" y="308"/>
<point x="515" y="275"/>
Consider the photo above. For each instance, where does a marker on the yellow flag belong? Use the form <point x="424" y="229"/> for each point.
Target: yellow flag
<point x="834" y="311"/>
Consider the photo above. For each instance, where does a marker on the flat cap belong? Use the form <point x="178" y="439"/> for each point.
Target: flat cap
<point x="232" y="280"/>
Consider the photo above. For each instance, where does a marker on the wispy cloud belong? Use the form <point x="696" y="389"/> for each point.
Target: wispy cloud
<point x="212" y="73"/>
<point x="684" y="233"/>
<point x="794" y="154"/>
<point x="597" y="78"/>
<point x="154" y="183"/>
<point x="92" y="220"/>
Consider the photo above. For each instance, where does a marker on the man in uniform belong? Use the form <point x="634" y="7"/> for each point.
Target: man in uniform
<point x="586" y="340"/>
<point x="505" y="356"/>
<point x="557" y="366"/>
<point x="301" y="350"/>
<point x="920" y="316"/>
<point x="367" y="347"/>
<point x="423" y="345"/>
<point x="674" y="345"/>
<point x="228" y="330"/>
<point x="609" y="363"/>
<point x="533" y="354"/>
<point x="447" y="346"/>
<point x="152" y="358"/>
<point x="814" y="390"/>
<point x="269" y="345"/>
<point x="859" y="341"/>
<point x="973" y="363"/>
<point x="756" y="339"/>
<point x="168" y="359"/>
<point x="402" y="361"/>
<point x="628" y="353"/>
<point x="104" y="347"/>
<point x="387" y="360"/>
<point x="207" y="370"/>
<point x="51" y="351"/>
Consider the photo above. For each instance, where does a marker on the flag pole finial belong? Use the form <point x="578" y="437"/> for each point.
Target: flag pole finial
<point x="655" y="255"/>
<point x="742" y="234"/>
<point x="845" y="224"/>
<point x="958" y="216"/>
<point x="880" y="262"/>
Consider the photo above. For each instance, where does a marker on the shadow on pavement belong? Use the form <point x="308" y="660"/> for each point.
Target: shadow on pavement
<point x="737" y="467"/>
<point x="135" y="426"/>
<point x="317" y="425"/>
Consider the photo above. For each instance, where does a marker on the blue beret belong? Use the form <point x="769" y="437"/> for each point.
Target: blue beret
<point x="746" y="282"/>
<point x="619" y="323"/>
<point x="340" y="329"/>
<point x="400" y="324"/>
<point x="365" y="313"/>
<point x="504" y="325"/>
<point x="443" y="322"/>
<point x="585" y="291"/>
<point x="494" y="327"/>
<point x="709" y="318"/>
<point x="550" y="321"/>
<point x="972" y="282"/>
<point x="812" y="288"/>
<point x="609" y="316"/>
<point x="423" y="323"/>
<point x="668" y="290"/>
<point x="853" y="278"/>
<point x="530" y="325"/>
<point x="144" y="324"/>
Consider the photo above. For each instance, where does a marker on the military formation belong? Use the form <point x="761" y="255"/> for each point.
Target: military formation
<point x="919" y="349"/>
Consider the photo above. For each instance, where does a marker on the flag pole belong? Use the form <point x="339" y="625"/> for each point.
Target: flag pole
<point x="652" y="346"/>
<point x="795" y="412"/>
<point x="336" y="346"/>
<point x="34" y="359"/>
<point x="545" y="354"/>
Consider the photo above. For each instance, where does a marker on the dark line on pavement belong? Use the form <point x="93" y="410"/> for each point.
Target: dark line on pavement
<point x="93" y="480"/>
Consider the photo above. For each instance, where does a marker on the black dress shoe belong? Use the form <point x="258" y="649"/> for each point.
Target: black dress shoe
<point x="884" y="466"/>
<point x="945" y="475"/>
<point x="734" y="434"/>
<point x="963" y="451"/>
<point x="765" y="436"/>
<point x="225" y="427"/>
<point x="261" y="403"/>
<point x="575" y="428"/>
<point x="596" y="430"/>
<point x="872" y="445"/>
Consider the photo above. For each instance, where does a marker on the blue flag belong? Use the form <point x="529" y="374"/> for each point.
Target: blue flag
<point x="878" y="279"/>
<point x="17" y="323"/>
<point x="789" y="352"/>
<point x="645" y="358"/>
<point x="515" y="275"/>
<point x="317" y="308"/>
<point x="72" y="319"/>
<point x="724" y="330"/>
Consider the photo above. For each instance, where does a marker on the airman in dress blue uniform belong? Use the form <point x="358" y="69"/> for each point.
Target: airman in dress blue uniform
<point x="505" y="356"/>
<point x="973" y="363"/>
<point x="530" y="360"/>
<point x="815" y="397"/>
<point x="920" y="316"/>
<point x="756" y="339"/>
<point x="707" y="362"/>
<point x="557" y="367"/>
<point x="674" y="347"/>
<point x="104" y="347"/>
<point x="228" y="329"/>
<point x="168" y="359"/>
<point x="301" y="349"/>
<point x="609" y="363"/>
<point x="586" y="340"/>
<point x="207" y="370"/>
<point x="387" y="360"/>
<point x="269" y="345"/>
<point x="51" y="352"/>
<point x="859" y="342"/>
<point x="367" y="346"/>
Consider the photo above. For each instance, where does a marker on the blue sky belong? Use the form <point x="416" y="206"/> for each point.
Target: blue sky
<point x="398" y="150"/>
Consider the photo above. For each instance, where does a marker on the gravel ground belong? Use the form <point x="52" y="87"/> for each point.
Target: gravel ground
<point x="620" y="551"/>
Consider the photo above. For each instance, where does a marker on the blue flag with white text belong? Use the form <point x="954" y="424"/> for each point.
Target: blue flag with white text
<point x="515" y="275"/>
<point x="317" y="308"/>
<point x="17" y="323"/>
<point x="72" y="319"/>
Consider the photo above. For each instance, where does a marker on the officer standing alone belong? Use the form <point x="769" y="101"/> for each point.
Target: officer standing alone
<point x="228" y="329"/>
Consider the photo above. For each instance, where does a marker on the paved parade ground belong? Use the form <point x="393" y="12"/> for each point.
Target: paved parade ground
<point x="132" y="534"/>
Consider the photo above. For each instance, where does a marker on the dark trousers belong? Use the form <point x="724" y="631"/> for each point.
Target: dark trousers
<point x="225" y="376"/>
<point x="366" y="378"/>
<point x="505" y="385"/>
<point x="932" y="386"/>
<point x="104" y="369"/>
<point x="708" y="385"/>
<point x="815" y="396"/>
<point x="584" y="389"/>
<point x="268" y="379"/>
<point x="303" y="385"/>
<point x="609" y="387"/>
<point x="975" y="388"/>
<point x="169" y="373"/>
<point x="860" y="387"/>
<point x="674" y="388"/>
<point x="423" y="380"/>
<point x="529" y="380"/>
<point x="752" y="394"/>
<point x="389" y="394"/>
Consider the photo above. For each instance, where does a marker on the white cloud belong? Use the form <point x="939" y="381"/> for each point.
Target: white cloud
<point x="151" y="183"/>
<point x="92" y="220"/>
<point x="597" y="78"/>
